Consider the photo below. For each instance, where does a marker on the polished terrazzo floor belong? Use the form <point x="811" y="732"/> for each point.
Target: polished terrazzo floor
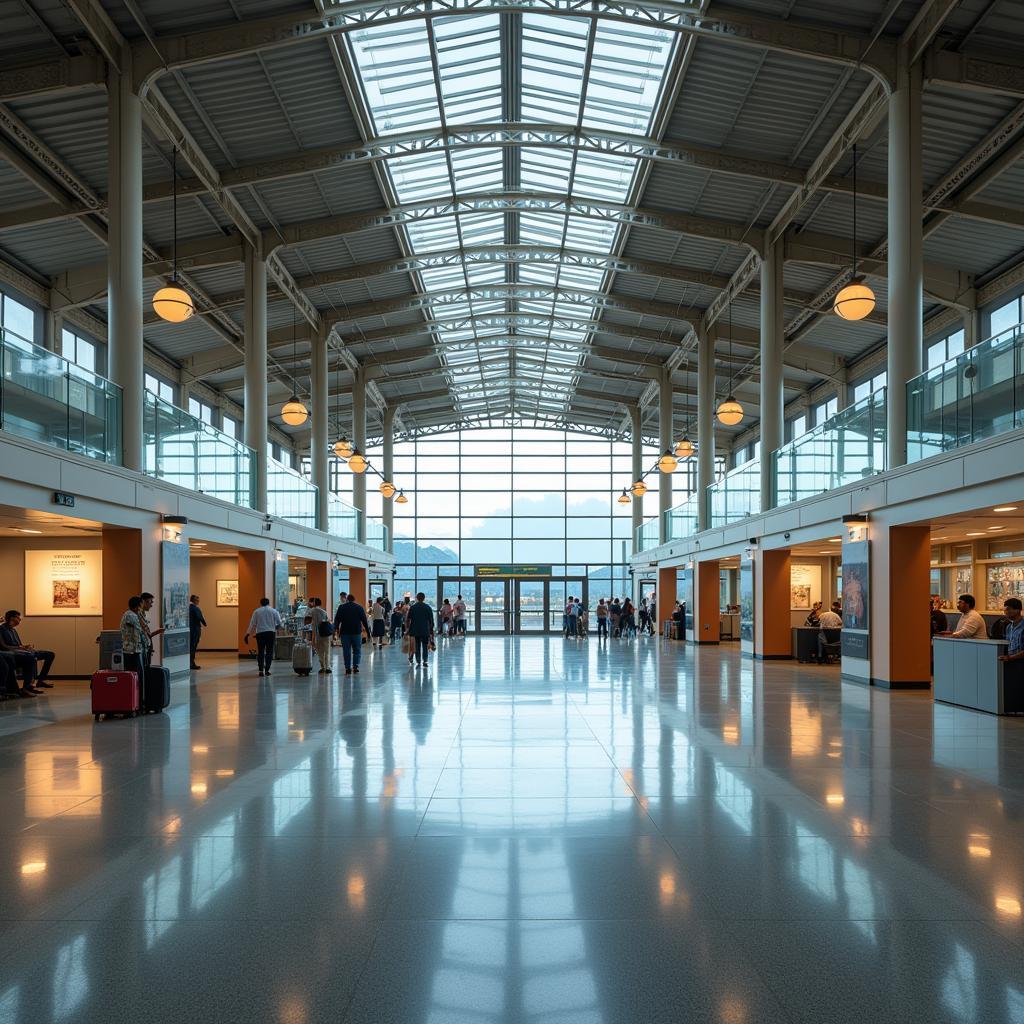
<point x="529" y="831"/>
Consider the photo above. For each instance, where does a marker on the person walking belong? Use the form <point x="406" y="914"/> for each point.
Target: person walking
<point x="447" y="617"/>
<point x="263" y="625"/>
<point x="352" y="621"/>
<point x="323" y="630"/>
<point x="459" y="610"/>
<point x="196" y="621"/>
<point x="627" y="621"/>
<point x="420" y="626"/>
<point x="397" y="622"/>
<point x="571" y="618"/>
<point x="602" y="619"/>
<point x="378" y="623"/>
<point x="615" y="616"/>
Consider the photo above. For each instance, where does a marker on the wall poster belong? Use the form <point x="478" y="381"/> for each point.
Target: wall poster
<point x="804" y="586"/>
<point x="64" y="582"/>
<point x="856" y="586"/>
<point x="227" y="593"/>
<point x="175" y="558"/>
<point x="281" y="587"/>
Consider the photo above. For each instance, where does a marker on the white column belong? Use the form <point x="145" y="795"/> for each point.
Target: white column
<point x="636" y="437"/>
<point x="665" y="441"/>
<point x="255" y="401"/>
<point x="318" y="450"/>
<point x="359" y="441"/>
<point x="844" y="393"/>
<point x="389" y="473"/>
<point x="124" y="259"/>
<point x="905" y="270"/>
<point x="705" y="422"/>
<point x="772" y="339"/>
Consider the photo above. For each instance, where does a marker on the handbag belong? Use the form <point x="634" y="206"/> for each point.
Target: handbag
<point x="324" y="629"/>
<point x="432" y="646"/>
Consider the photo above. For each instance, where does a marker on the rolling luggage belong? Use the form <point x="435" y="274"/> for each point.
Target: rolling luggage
<point x="156" y="689"/>
<point x="302" y="658"/>
<point x="115" y="693"/>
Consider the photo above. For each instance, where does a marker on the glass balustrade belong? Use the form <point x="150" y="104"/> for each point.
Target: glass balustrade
<point x="682" y="520"/>
<point x="342" y="519"/>
<point x="648" y="535"/>
<point x="376" y="534"/>
<point x="290" y="495"/>
<point x="737" y="495"/>
<point x="845" y="448"/>
<point x="977" y="394"/>
<point x="185" y="451"/>
<point x="45" y="398"/>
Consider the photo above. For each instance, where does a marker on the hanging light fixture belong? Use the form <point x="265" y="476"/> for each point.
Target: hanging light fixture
<point x="401" y="499"/>
<point x="639" y="489"/>
<point x="172" y="303"/>
<point x="729" y="412"/>
<point x="668" y="462"/>
<point x="856" y="300"/>
<point x="623" y="498"/>
<point x="684" y="448"/>
<point x="343" y="448"/>
<point x="294" y="411"/>
<point x="357" y="462"/>
<point x="387" y="488"/>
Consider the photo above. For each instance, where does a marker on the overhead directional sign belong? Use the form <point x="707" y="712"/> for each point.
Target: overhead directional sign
<point x="513" y="571"/>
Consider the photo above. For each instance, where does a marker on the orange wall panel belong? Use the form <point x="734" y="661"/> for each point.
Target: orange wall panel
<point x="122" y="572"/>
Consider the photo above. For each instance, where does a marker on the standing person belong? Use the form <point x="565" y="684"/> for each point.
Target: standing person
<point x="134" y="639"/>
<point x="615" y="616"/>
<point x="627" y="621"/>
<point x="144" y="610"/>
<point x="351" y="623"/>
<point x="397" y="623"/>
<point x="643" y="615"/>
<point x="571" y="618"/>
<point x="420" y="626"/>
<point x="1012" y="607"/>
<point x="378" y="620"/>
<point x="602" y="619"/>
<point x="10" y="641"/>
<point x="386" y="601"/>
<point x="263" y="625"/>
<point x="971" y="625"/>
<point x="939" y="621"/>
<point x="584" y="622"/>
<point x="459" y="610"/>
<point x="320" y="622"/>
<point x="196" y="621"/>
<point x="447" y="617"/>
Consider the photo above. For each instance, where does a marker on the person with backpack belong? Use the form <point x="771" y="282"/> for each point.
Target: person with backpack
<point x="602" y="619"/>
<point x="420" y="627"/>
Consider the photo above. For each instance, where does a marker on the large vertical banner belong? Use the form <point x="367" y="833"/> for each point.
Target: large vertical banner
<point x="856" y="648"/>
<point x="174" y="558"/>
<point x="747" y="605"/>
<point x="686" y="596"/>
<point x="281" y="583"/>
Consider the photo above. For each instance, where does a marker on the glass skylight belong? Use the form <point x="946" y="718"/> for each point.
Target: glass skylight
<point x="573" y="73"/>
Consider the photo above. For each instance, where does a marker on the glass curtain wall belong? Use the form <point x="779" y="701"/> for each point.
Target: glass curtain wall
<point x="511" y="495"/>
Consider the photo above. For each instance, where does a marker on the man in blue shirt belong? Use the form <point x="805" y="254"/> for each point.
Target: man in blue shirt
<point x="1014" y="631"/>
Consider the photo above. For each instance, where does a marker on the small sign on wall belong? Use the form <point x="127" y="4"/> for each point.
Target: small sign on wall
<point x="66" y="582"/>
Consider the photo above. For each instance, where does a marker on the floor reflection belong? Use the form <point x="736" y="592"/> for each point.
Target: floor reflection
<point x="528" y="831"/>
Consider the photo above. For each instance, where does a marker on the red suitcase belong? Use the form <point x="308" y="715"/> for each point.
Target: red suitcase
<point x="115" y="693"/>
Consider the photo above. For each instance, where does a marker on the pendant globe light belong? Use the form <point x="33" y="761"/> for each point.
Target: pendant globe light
<point x="639" y="489"/>
<point x="172" y="303"/>
<point x="729" y="412"/>
<point x="668" y="462"/>
<point x="684" y="448"/>
<point x="856" y="300"/>
<point x="401" y="499"/>
<point x="387" y="488"/>
<point x="623" y="498"/>
<point x="343" y="448"/>
<point x="357" y="462"/>
<point x="294" y="411"/>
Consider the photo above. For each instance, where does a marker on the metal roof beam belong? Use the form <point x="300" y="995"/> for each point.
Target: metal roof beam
<point x="876" y="57"/>
<point x="51" y="77"/>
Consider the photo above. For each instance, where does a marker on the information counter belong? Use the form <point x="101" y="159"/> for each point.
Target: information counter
<point x="969" y="673"/>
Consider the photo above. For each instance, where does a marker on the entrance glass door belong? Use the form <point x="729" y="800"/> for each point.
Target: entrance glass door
<point x="492" y="616"/>
<point x="559" y="592"/>
<point x="530" y="606"/>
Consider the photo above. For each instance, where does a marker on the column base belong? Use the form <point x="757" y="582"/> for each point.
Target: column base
<point x="888" y="684"/>
<point x="773" y="657"/>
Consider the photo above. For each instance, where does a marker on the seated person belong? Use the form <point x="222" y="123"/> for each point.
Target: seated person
<point x="971" y="625"/>
<point x="9" y="678"/>
<point x="25" y="654"/>
<point x="830" y="625"/>
<point x="939" y="621"/>
<point x="814" y="615"/>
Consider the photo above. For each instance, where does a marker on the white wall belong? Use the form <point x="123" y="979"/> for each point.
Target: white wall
<point x="221" y="633"/>
<point x="71" y="637"/>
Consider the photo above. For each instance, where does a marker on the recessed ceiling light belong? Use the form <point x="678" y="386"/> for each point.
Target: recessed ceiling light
<point x="835" y="540"/>
<point x="997" y="528"/>
<point x="21" y="529"/>
<point x="1005" y="508"/>
<point x="975" y="534"/>
<point x="943" y="537"/>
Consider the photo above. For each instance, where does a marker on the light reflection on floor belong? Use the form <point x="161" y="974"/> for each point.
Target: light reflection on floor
<point x="532" y="831"/>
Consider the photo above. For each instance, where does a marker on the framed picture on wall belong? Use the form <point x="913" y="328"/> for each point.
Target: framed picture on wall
<point x="804" y="586"/>
<point x="227" y="593"/>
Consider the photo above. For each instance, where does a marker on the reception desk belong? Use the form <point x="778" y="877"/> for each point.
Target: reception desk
<point x="969" y="673"/>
